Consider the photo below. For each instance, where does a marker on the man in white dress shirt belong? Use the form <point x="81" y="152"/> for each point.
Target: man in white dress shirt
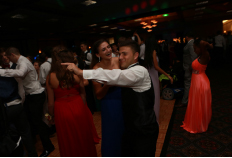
<point x="45" y="68"/>
<point x="87" y="55"/>
<point x="35" y="95"/>
<point x="141" y="128"/>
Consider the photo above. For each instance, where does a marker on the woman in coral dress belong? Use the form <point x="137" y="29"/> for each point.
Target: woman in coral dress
<point x="199" y="111"/>
<point x="75" y="129"/>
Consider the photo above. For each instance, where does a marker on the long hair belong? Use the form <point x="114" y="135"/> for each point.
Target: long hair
<point x="150" y="45"/>
<point x="65" y="78"/>
<point x="55" y="50"/>
<point x="95" y="51"/>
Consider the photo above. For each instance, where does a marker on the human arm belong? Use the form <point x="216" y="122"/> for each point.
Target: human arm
<point x="86" y="82"/>
<point x="139" y="40"/>
<point x="51" y="99"/>
<point x="136" y="77"/>
<point x="20" y="72"/>
<point x="156" y="65"/>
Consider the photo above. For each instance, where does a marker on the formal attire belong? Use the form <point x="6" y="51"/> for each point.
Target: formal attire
<point x="155" y="81"/>
<point x="142" y="54"/>
<point x="199" y="111"/>
<point x="44" y="71"/>
<point x="35" y="98"/>
<point x="141" y="128"/>
<point x="89" y="88"/>
<point x="112" y="123"/>
<point x="88" y="59"/>
<point x="188" y="57"/>
<point x="75" y="129"/>
<point x="15" y="112"/>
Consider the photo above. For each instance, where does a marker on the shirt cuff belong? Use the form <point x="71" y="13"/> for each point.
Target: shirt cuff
<point x="2" y="71"/>
<point x="87" y="74"/>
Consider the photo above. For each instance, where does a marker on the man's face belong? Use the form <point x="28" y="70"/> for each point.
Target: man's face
<point x="12" y="58"/>
<point x="5" y="59"/>
<point x="83" y="47"/>
<point x="127" y="57"/>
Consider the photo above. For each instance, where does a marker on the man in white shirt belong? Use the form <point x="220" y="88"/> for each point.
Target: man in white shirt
<point x="16" y="115"/>
<point x="45" y="68"/>
<point x="88" y="55"/>
<point x="35" y="95"/>
<point x="141" y="128"/>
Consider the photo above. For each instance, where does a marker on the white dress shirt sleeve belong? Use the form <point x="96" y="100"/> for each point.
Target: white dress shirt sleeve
<point x="42" y="75"/>
<point x="21" y="71"/>
<point x="89" y="57"/>
<point x="136" y="77"/>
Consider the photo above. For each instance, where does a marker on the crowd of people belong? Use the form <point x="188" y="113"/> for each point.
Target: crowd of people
<point x="61" y="86"/>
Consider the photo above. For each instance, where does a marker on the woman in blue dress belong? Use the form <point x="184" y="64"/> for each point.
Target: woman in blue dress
<point x="111" y="107"/>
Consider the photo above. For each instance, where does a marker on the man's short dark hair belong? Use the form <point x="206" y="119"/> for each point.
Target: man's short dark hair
<point x="132" y="44"/>
<point x="12" y="50"/>
<point x="85" y="43"/>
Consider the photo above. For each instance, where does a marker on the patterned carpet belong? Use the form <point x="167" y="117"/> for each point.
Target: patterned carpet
<point x="217" y="141"/>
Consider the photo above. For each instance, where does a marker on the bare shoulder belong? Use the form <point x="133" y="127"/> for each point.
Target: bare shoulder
<point x="77" y="79"/>
<point x="96" y="66"/>
<point x="52" y="80"/>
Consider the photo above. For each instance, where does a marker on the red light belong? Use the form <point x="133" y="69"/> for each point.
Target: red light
<point x="135" y="8"/>
<point x="127" y="11"/>
<point x="152" y="2"/>
<point x="143" y="4"/>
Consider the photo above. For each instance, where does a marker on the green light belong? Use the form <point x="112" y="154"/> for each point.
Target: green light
<point x="165" y="14"/>
<point x="106" y="19"/>
<point x="154" y="9"/>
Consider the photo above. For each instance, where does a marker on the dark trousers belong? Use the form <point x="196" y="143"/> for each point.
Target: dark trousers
<point x="139" y="145"/>
<point x="34" y="108"/>
<point x="17" y="116"/>
<point x="90" y="97"/>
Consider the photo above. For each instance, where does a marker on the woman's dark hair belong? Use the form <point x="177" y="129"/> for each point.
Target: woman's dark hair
<point x="66" y="78"/>
<point x="55" y="50"/>
<point x="150" y="45"/>
<point x="197" y="42"/>
<point x="95" y="51"/>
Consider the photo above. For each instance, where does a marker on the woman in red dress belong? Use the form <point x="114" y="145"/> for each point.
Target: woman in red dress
<point x="75" y="129"/>
<point x="199" y="111"/>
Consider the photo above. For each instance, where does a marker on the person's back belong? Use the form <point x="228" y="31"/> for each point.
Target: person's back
<point x="75" y="130"/>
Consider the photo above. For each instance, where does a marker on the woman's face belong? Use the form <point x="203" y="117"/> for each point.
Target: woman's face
<point x="36" y="66"/>
<point x="104" y="51"/>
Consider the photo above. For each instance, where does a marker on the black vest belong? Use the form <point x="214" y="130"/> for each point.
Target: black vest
<point x="138" y="111"/>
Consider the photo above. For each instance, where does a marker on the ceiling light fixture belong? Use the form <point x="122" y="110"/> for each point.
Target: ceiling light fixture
<point x="154" y="25"/>
<point x="18" y="16"/>
<point x="93" y="25"/>
<point x="149" y="30"/>
<point x="103" y="27"/>
<point x="138" y="19"/>
<point x="224" y="21"/>
<point x="229" y="11"/>
<point x="89" y="2"/>
<point x="114" y="28"/>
